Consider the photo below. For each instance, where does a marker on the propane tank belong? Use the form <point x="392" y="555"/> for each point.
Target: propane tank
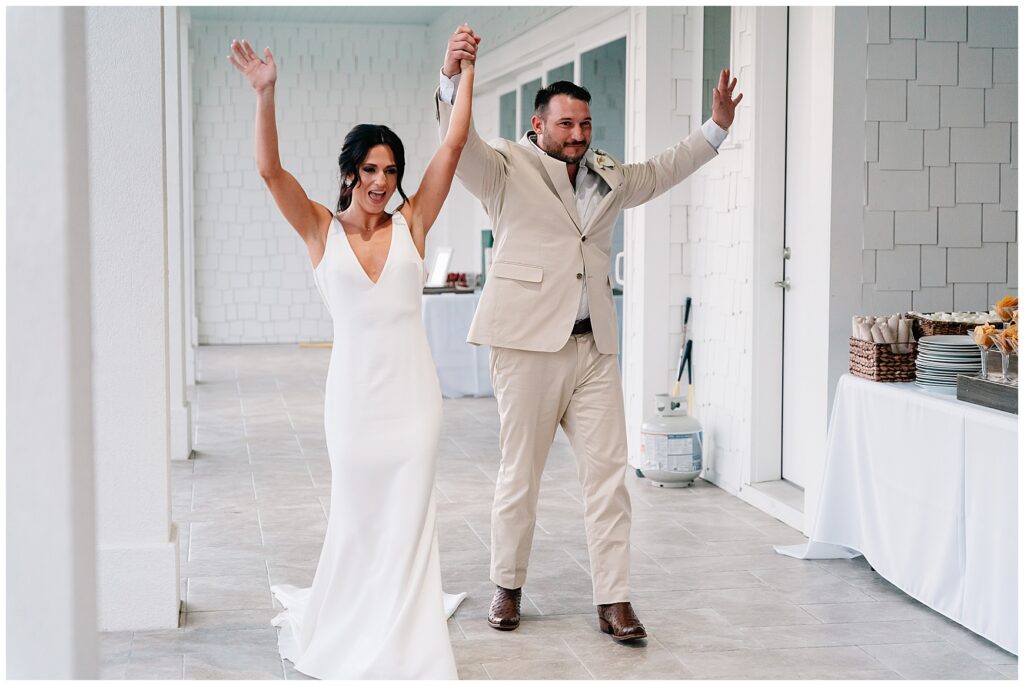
<point x="671" y="446"/>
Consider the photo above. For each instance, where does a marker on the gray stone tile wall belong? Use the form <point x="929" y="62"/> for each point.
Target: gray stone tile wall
<point x="940" y="221"/>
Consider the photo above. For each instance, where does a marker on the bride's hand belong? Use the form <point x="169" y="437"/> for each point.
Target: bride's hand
<point x="261" y="75"/>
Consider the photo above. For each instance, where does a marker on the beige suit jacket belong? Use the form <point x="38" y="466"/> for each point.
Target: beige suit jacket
<point x="542" y="250"/>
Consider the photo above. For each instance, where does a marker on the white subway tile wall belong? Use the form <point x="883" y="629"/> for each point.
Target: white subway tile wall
<point x="719" y="253"/>
<point x="940" y="226"/>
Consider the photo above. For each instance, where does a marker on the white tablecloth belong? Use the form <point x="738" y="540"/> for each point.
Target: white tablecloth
<point x="925" y="487"/>
<point x="463" y="369"/>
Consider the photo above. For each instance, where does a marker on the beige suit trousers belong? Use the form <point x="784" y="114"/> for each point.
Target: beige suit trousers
<point x="581" y="389"/>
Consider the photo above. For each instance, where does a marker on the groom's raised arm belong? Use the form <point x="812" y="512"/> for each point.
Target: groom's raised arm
<point x="649" y="179"/>
<point x="481" y="169"/>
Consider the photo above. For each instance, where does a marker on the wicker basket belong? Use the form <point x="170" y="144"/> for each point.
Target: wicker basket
<point x="930" y="327"/>
<point x="877" y="361"/>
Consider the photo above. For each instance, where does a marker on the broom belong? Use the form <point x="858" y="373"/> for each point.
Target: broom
<point x="684" y="348"/>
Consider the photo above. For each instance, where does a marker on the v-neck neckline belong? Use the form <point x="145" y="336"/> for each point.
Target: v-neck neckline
<point x="352" y="251"/>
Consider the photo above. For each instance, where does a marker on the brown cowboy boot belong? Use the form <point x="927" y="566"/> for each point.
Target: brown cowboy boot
<point x="619" y="620"/>
<point x="504" y="612"/>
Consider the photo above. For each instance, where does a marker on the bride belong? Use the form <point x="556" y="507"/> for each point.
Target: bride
<point x="376" y="608"/>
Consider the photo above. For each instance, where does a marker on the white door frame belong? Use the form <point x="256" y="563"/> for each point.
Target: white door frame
<point x="770" y="78"/>
<point x="769" y="230"/>
<point x="837" y="132"/>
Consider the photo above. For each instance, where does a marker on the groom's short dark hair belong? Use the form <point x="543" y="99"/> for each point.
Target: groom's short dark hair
<point x="544" y="95"/>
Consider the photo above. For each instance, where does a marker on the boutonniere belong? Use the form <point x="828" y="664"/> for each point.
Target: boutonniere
<point x="602" y="160"/>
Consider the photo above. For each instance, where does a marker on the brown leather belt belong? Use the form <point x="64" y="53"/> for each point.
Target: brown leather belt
<point x="582" y="326"/>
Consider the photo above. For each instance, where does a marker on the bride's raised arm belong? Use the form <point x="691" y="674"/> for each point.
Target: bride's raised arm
<point x="291" y="199"/>
<point x="437" y="179"/>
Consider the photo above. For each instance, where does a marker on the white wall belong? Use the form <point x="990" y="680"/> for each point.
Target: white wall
<point x="663" y="47"/>
<point x="176" y="119"/>
<point x="941" y="156"/>
<point x="253" y="275"/>
<point x="51" y="557"/>
<point x="717" y="262"/>
<point x="190" y="314"/>
<point x="138" y="546"/>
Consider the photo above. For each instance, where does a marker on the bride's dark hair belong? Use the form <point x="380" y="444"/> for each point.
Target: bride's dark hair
<point x="354" y="150"/>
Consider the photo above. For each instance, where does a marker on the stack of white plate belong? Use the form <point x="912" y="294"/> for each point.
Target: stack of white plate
<point x="941" y="358"/>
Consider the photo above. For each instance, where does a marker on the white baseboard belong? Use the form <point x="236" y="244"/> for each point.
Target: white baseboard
<point x="138" y="586"/>
<point x="181" y="432"/>
<point x="772" y="498"/>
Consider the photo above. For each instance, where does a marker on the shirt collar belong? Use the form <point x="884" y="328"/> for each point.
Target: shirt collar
<point x="583" y="168"/>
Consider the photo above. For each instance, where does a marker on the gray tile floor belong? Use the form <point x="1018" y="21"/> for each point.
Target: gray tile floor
<point x="716" y="600"/>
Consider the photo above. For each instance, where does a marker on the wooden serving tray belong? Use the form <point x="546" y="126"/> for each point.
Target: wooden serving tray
<point x="998" y="396"/>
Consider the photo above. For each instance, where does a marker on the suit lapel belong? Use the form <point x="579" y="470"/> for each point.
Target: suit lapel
<point x="557" y="180"/>
<point x="611" y="178"/>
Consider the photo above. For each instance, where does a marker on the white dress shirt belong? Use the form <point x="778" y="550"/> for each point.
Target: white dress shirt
<point x="590" y="187"/>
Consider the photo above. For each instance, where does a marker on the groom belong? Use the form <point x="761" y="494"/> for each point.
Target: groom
<point x="547" y="314"/>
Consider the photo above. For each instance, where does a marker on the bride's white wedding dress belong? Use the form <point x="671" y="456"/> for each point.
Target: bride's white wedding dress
<point x="376" y="608"/>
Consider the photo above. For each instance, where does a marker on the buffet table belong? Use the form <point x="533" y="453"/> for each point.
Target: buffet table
<point x="463" y="369"/>
<point x="925" y="487"/>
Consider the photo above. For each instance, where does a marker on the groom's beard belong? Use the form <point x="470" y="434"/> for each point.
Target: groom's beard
<point x="559" y="152"/>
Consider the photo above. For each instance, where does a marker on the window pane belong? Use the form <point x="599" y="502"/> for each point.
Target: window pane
<point x="603" y="73"/>
<point x="527" y="94"/>
<point x="562" y="73"/>
<point x="507" y="116"/>
<point x="716" y="52"/>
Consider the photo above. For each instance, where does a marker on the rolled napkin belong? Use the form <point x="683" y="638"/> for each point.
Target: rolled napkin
<point x="905" y="335"/>
<point x="888" y="334"/>
<point x="894" y="329"/>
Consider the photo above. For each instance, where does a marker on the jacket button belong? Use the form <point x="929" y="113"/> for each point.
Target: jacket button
<point x="583" y="239"/>
<point x="579" y="276"/>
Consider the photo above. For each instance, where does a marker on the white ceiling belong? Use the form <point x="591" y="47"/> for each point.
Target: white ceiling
<point x="416" y="15"/>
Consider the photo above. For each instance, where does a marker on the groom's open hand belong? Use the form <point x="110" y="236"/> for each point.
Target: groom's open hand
<point x="723" y="107"/>
<point x="461" y="46"/>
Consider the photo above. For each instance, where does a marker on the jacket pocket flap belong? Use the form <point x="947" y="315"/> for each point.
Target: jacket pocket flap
<point x="519" y="272"/>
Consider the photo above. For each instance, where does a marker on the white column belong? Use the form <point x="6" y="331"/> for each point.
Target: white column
<point x="178" y="345"/>
<point x="51" y="561"/>
<point x="188" y="166"/>
<point x="849" y="26"/>
<point x="645" y="363"/>
<point x="137" y="544"/>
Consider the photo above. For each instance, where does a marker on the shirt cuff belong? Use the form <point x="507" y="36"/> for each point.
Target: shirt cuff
<point x="714" y="133"/>
<point x="449" y="86"/>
